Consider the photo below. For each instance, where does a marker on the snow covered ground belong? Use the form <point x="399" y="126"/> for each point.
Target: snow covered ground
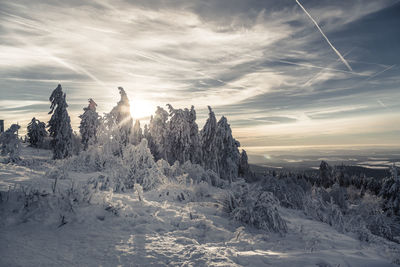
<point x="160" y="230"/>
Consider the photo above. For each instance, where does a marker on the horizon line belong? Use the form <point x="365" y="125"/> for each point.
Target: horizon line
<point x="320" y="146"/>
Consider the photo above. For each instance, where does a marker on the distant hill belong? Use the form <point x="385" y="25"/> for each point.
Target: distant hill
<point x="350" y="170"/>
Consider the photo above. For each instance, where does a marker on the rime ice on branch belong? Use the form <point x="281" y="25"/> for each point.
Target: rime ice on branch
<point x="175" y="136"/>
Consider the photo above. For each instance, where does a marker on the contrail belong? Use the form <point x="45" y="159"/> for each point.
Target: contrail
<point x="158" y="60"/>
<point x="326" y="38"/>
<point x="381" y="103"/>
<point x="23" y="21"/>
<point x="75" y="68"/>
<point x="309" y="82"/>
<point x="317" y="67"/>
<point x="379" y="73"/>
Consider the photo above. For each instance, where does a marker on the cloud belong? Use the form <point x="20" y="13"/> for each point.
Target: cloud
<point x="13" y="105"/>
<point x="257" y="62"/>
<point x="352" y="130"/>
<point x="333" y="112"/>
<point x="326" y="38"/>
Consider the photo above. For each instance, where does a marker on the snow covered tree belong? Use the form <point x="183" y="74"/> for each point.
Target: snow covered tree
<point x="137" y="135"/>
<point x="374" y="185"/>
<point x="77" y="145"/>
<point x="244" y="168"/>
<point x="338" y="195"/>
<point x="103" y="131"/>
<point x="36" y="132"/>
<point x="122" y="115"/>
<point x="228" y="152"/>
<point x="207" y="142"/>
<point x="10" y="143"/>
<point x="150" y="142"/>
<point x="255" y="207"/>
<point x="141" y="167"/>
<point x="390" y="192"/>
<point x="89" y="124"/>
<point x="342" y="177"/>
<point x="325" y="177"/>
<point x="156" y="134"/>
<point x="182" y="136"/>
<point x="178" y="135"/>
<point x="194" y="149"/>
<point x="146" y="132"/>
<point x="146" y="135"/>
<point x="60" y="125"/>
<point x="119" y="124"/>
<point x="289" y="190"/>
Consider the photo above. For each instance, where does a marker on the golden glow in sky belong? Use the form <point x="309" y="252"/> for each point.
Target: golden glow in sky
<point x="141" y="108"/>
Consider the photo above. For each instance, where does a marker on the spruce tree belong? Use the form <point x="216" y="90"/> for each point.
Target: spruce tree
<point x="325" y="175"/>
<point x="137" y="134"/>
<point x="36" y="132"/>
<point x="156" y="134"/>
<point x="208" y="145"/>
<point x="182" y="136"/>
<point x="195" y="149"/>
<point x="60" y="125"/>
<point x="244" y="168"/>
<point x="10" y="143"/>
<point x="89" y="124"/>
<point x="390" y="193"/>
<point x="228" y="152"/>
<point x="119" y="123"/>
<point x="150" y="142"/>
<point x="178" y="136"/>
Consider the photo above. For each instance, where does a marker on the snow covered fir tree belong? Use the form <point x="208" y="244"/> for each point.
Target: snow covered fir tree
<point x="90" y="122"/>
<point x="36" y="132"/>
<point x="60" y="125"/>
<point x="10" y="143"/>
<point x="208" y="142"/>
<point x="137" y="133"/>
<point x="118" y="124"/>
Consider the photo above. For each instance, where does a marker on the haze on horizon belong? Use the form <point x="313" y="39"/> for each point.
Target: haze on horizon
<point x="263" y="64"/>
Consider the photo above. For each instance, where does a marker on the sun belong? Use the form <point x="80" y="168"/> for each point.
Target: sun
<point x="141" y="108"/>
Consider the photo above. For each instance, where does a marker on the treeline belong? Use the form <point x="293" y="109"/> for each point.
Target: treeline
<point x="172" y="135"/>
<point x="388" y="188"/>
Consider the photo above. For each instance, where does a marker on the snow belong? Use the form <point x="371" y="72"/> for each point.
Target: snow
<point x="117" y="229"/>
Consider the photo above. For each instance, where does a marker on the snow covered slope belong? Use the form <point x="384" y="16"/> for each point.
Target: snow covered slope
<point x="174" y="225"/>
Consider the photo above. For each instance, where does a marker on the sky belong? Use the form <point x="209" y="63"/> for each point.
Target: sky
<point x="284" y="73"/>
